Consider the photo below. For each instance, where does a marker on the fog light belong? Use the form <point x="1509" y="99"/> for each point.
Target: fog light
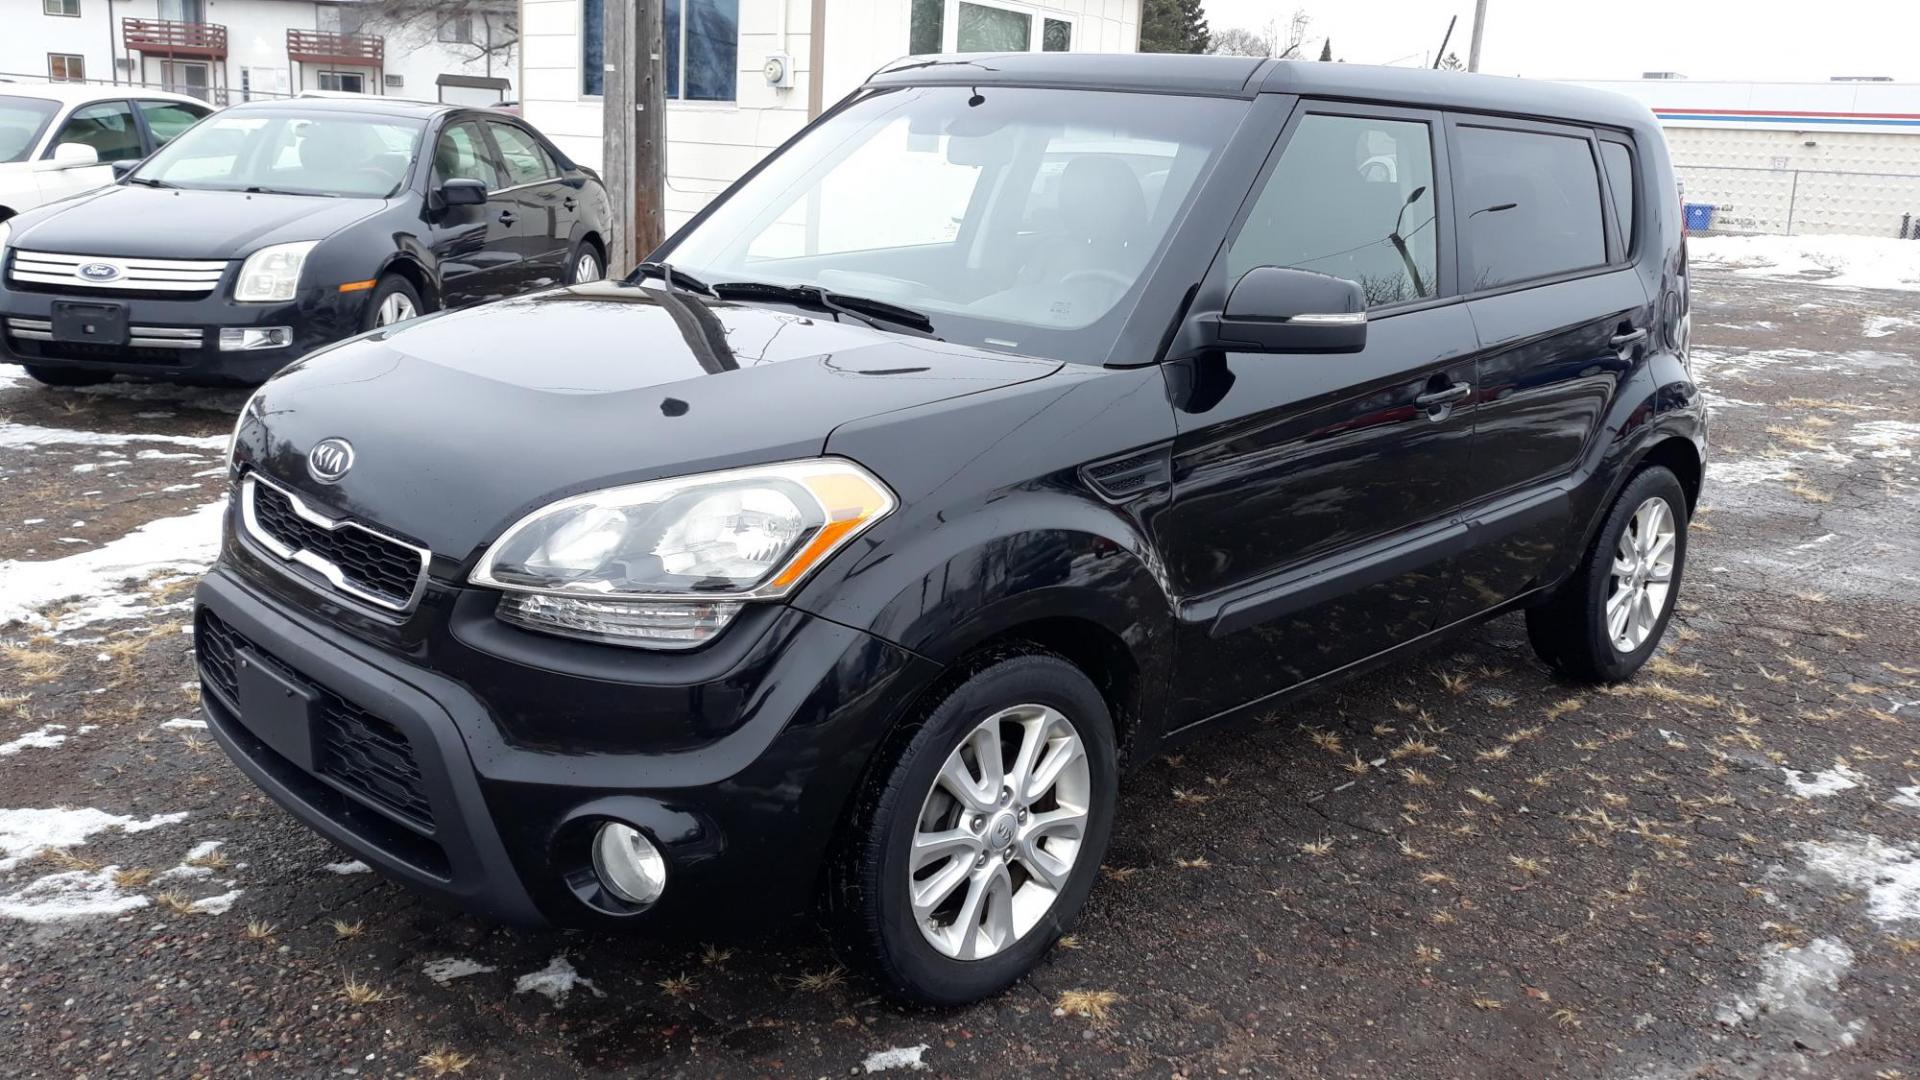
<point x="628" y="864"/>
<point x="243" y="338"/>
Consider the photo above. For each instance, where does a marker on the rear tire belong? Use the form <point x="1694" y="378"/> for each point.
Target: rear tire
<point x="1606" y="620"/>
<point x="586" y="262"/>
<point x="1002" y="846"/>
<point x="59" y="376"/>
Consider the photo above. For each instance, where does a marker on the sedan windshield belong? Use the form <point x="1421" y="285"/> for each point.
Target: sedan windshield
<point x="22" y="119"/>
<point x="1020" y="219"/>
<point x="291" y="153"/>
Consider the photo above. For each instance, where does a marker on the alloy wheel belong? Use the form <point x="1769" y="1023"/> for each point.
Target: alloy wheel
<point x="999" y="833"/>
<point x="397" y="307"/>
<point x="586" y="268"/>
<point x="1643" y="564"/>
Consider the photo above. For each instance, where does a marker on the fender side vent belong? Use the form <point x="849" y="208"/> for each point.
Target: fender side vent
<point x="1123" y="478"/>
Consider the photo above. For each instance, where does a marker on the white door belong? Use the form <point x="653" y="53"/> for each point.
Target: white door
<point x="108" y="127"/>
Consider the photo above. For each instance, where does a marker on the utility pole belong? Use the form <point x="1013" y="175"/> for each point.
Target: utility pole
<point x="1479" y="28"/>
<point x="635" y="146"/>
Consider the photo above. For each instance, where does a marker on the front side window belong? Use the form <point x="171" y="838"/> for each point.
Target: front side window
<point x="1528" y="205"/>
<point x="66" y="67"/>
<point x="703" y="49"/>
<point x="1021" y="221"/>
<point x="108" y="127"/>
<point x="22" y="119"/>
<point x="167" y="119"/>
<point x="462" y="154"/>
<point x="292" y="153"/>
<point x="1351" y="197"/>
<point x="522" y="156"/>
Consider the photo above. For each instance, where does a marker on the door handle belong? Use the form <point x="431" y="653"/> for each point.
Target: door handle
<point x="1437" y="399"/>
<point x="507" y="217"/>
<point x="1626" y="338"/>
<point x="569" y="202"/>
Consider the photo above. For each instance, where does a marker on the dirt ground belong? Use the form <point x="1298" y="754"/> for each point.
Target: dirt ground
<point x="1452" y="867"/>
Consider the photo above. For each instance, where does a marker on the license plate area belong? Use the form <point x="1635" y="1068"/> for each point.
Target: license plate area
<point x="280" y="711"/>
<point x="89" y="322"/>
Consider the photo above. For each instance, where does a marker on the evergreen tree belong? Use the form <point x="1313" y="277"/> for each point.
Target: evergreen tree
<point x="1326" y="51"/>
<point x="1174" y="26"/>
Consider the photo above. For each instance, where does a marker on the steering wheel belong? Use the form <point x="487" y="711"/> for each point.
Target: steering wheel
<point x="1118" y="280"/>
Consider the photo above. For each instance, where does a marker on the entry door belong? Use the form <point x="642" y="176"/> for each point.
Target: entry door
<point x="1562" y="317"/>
<point x="545" y="208"/>
<point x="475" y="245"/>
<point x="1314" y="494"/>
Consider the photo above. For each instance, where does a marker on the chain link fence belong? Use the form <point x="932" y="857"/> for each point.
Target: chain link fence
<point x="1794" y="202"/>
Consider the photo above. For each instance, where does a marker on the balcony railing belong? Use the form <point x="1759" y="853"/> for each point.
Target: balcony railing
<point x="320" y="47"/>
<point x="170" y="38"/>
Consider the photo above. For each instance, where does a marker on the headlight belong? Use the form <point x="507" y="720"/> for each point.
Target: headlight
<point x="272" y="273"/>
<point x="669" y="563"/>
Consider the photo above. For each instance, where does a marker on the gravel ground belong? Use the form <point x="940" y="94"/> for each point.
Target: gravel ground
<point x="1451" y="867"/>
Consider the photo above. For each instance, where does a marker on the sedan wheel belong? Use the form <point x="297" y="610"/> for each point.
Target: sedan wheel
<point x="1642" y="575"/>
<point x="586" y="267"/>
<point x="1000" y="832"/>
<point x="396" y="307"/>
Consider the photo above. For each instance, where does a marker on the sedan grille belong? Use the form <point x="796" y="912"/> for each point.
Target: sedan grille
<point x="139" y="337"/>
<point x="186" y="277"/>
<point x="353" y="559"/>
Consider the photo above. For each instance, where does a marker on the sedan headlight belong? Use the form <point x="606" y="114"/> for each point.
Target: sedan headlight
<point x="669" y="563"/>
<point x="273" y="273"/>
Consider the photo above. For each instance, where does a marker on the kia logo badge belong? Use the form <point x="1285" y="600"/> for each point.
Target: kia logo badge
<point x="99" y="271"/>
<point x="330" y="459"/>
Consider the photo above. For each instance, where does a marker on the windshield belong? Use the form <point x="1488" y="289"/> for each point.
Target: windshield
<point x="22" y="119"/>
<point x="295" y="153"/>
<point x="1019" y="219"/>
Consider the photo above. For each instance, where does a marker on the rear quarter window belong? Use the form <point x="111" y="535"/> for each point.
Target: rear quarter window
<point x="1528" y="205"/>
<point x="1620" y="184"/>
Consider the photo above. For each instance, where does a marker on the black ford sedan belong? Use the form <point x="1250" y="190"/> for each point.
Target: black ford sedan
<point x="274" y="228"/>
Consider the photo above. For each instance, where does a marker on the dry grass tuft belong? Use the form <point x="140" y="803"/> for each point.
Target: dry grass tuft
<point x="132" y="877"/>
<point x="1529" y="867"/>
<point x="714" y="956"/>
<point x="1191" y="798"/>
<point x="1094" y="1005"/>
<point x="1326" y="740"/>
<point x="1412" y="747"/>
<point x="1198" y="862"/>
<point x="1317" y="848"/>
<point x="819" y="982"/>
<point x="1455" y="683"/>
<point x="677" y="986"/>
<point x="1416" y="777"/>
<point x="175" y="902"/>
<point x="1426" y="954"/>
<point x="1357" y="766"/>
<point x="1487" y="1004"/>
<point x="443" y="1061"/>
<point x="37" y="661"/>
<point x="1497" y="753"/>
<point x="260" y="930"/>
<point x="345" y="929"/>
<point x="355" y="992"/>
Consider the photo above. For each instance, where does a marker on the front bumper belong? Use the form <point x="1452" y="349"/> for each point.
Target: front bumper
<point x="432" y="764"/>
<point x="186" y="346"/>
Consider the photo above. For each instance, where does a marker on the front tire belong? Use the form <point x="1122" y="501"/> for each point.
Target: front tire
<point x="394" y="300"/>
<point x="1607" y="619"/>
<point x="59" y="376"/>
<point x="975" y="848"/>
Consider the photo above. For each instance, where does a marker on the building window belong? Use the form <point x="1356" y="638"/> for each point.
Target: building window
<point x="68" y="8"/>
<point x="457" y="30"/>
<point x="348" y="82"/>
<point x="66" y="67"/>
<point x="705" y="34"/>
<point x="936" y="26"/>
<point x="193" y="11"/>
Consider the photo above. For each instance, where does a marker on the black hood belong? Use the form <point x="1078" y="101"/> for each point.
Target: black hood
<point x="167" y="223"/>
<point x="463" y="422"/>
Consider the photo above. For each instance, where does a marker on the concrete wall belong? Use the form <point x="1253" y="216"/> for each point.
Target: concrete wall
<point x="710" y="144"/>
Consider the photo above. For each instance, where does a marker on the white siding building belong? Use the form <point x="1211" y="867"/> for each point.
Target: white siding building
<point x="228" y="51"/>
<point x="1800" y="158"/>
<point x="724" y="113"/>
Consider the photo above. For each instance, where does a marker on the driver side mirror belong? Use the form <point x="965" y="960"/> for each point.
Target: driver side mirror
<point x="69" y="155"/>
<point x="461" y="191"/>
<point x="1282" y="310"/>
<point x="124" y="166"/>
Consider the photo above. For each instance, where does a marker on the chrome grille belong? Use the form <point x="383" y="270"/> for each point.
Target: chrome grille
<point x="195" y="276"/>
<point x="139" y="337"/>
<point x="363" y="563"/>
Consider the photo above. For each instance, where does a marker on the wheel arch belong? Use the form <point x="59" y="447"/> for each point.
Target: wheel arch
<point x="415" y="275"/>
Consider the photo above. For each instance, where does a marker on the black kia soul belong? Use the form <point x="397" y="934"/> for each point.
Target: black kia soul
<point x="1021" y="417"/>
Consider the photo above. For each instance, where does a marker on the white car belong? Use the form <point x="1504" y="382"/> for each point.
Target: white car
<point x="60" y="139"/>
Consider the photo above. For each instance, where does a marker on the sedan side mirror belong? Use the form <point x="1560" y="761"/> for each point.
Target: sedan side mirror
<point x="70" y="155"/>
<point x="463" y="192"/>
<point x="124" y="166"/>
<point x="1280" y="309"/>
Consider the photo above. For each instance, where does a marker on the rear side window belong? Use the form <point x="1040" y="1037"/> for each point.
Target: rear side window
<point x="1352" y="197"/>
<point x="1619" y="163"/>
<point x="167" y="119"/>
<point x="1528" y="205"/>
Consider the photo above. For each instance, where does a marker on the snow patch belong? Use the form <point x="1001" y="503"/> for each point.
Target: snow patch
<point x="184" y="723"/>
<point x="1820" y="784"/>
<point x="72" y="894"/>
<point x="26" y="833"/>
<point x="448" y="968"/>
<point x="555" y="982"/>
<point x="1796" y="990"/>
<point x="19" y="436"/>
<point x="1886" y="438"/>
<point x="40" y="739"/>
<point x="1889" y="874"/>
<point x="353" y="867"/>
<point x="1908" y="797"/>
<point x="898" y="1057"/>
<point x="1847" y="262"/>
<point x="217" y="905"/>
<point x="186" y="543"/>
<point x="1745" y="473"/>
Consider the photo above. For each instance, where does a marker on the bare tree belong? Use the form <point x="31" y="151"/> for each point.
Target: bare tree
<point x="478" y="29"/>
<point x="1281" y="43"/>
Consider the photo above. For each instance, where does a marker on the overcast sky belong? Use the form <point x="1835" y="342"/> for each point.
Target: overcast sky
<point x="1703" y="39"/>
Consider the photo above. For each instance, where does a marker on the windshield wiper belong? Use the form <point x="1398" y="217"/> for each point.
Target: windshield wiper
<point x="257" y="190"/>
<point x="865" y="308"/>
<point x="148" y="181"/>
<point x="670" y="276"/>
